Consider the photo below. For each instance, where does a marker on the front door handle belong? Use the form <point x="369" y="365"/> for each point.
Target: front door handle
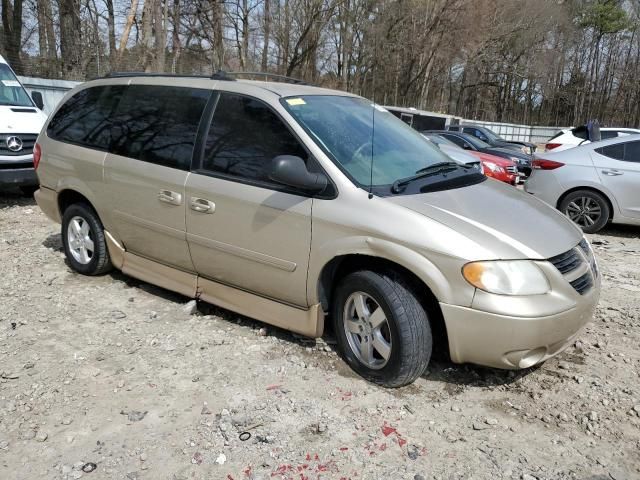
<point x="202" y="205"/>
<point x="612" y="172"/>
<point x="167" y="196"/>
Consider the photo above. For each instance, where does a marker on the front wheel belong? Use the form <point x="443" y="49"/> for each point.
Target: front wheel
<point x="587" y="209"/>
<point x="83" y="240"/>
<point x="381" y="328"/>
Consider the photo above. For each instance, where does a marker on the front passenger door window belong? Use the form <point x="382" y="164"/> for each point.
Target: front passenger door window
<point x="244" y="137"/>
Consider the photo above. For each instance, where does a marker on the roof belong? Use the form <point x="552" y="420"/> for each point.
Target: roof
<point x="281" y="89"/>
<point x="293" y="89"/>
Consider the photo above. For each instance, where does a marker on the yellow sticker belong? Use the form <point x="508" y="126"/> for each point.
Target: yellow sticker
<point x="296" y="101"/>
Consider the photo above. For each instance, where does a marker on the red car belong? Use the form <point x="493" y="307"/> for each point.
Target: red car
<point x="497" y="167"/>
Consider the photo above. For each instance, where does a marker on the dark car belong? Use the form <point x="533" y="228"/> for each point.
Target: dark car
<point x="489" y="136"/>
<point x="470" y="142"/>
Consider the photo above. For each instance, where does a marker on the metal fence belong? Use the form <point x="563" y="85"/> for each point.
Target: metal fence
<point x="524" y="133"/>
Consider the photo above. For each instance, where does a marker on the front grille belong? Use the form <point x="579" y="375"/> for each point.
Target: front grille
<point x="28" y="140"/>
<point x="512" y="169"/>
<point x="567" y="262"/>
<point x="573" y="259"/>
<point x="583" y="283"/>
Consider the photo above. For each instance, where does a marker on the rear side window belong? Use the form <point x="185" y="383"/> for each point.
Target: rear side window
<point x="628" y="152"/>
<point x="244" y="137"/>
<point x="580" y="132"/>
<point x="85" y="119"/>
<point x="455" y="139"/>
<point x="606" y="134"/>
<point x="158" y="124"/>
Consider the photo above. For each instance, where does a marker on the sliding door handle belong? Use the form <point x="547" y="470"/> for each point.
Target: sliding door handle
<point x="172" y="198"/>
<point x="613" y="172"/>
<point x="201" y="205"/>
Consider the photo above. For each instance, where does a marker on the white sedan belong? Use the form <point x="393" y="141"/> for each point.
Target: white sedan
<point x="592" y="184"/>
<point x="573" y="137"/>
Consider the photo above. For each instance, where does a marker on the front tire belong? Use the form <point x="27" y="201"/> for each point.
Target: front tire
<point x="83" y="240"/>
<point x="587" y="209"/>
<point x="381" y="328"/>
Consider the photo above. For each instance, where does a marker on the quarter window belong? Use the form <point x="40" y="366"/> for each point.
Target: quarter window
<point x="632" y="152"/>
<point x="628" y="152"/>
<point x="244" y="137"/>
<point x="85" y="119"/>
<point x="158" y="124"/>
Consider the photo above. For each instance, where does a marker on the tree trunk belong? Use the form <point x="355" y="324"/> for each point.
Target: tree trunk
<point x="70" y="39"/>
<point x="267" y="32"/>
<point x="12" y="30"/>
<point x="148" y="12"/>
<point x="124" y="39"/>
<point x="112" y="29"/>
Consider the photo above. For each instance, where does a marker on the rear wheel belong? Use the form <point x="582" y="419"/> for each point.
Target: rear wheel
<point x="83" y="240"/>
<point x="587" y="209"/>
<point x="381" y="328"/>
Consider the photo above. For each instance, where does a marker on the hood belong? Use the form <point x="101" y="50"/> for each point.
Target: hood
<point x="501" y="219"/>
<point x="508" y="153"/>
<point x="21" y="120"/>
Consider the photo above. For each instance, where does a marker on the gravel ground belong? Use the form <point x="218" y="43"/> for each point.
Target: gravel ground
<point x="134" y="379"/>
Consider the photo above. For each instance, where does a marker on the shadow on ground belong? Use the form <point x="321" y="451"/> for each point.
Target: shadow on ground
<point x="441" y="370"/>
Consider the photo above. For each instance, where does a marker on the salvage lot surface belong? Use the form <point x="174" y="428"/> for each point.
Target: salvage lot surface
<point x="112" y="371"/>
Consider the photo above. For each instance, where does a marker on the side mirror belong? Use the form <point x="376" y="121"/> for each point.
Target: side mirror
<point x="292" y="171"/>
<point x="37" y="99"/>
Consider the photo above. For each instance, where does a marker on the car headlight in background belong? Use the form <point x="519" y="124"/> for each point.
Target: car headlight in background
<point x="525" y="149"/>
<point x="517" y="160"/>
<point x="493" y="167"/>
<point x="507" y="277"/>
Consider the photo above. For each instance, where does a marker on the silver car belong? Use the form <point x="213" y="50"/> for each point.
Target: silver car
<point x="282" y="202"/>
<point x="593" y="184"/>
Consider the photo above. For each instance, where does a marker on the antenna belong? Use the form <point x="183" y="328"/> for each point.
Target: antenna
<point x="373" y="108"/>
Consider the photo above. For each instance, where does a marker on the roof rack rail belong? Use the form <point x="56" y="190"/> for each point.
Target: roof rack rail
<point x="219" y="75"/>
<point x="270" y="76"/>
<point x="152" y="74"/>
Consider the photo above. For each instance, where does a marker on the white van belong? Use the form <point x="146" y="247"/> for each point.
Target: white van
<point x="21" y="119"/>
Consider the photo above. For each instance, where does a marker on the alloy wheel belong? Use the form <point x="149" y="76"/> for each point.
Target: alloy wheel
<point x="367" y="330"/>
<point x="80" y="241"/>
<point x="584" y="211"/>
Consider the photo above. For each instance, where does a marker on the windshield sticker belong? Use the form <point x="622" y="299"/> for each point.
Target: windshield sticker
<point x="296" y="101"/>
<point x="10" y="83"/>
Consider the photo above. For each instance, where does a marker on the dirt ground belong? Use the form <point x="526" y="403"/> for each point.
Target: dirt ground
<point x="112" y="373"/>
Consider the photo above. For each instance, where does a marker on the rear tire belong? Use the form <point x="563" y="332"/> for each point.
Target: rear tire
<point x="381" y="328"/>
<point x="589" y="210"/>
<point x="84" y="241"/>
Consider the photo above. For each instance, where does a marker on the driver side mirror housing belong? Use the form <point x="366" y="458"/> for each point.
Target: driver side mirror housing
<point x="291" y="171"/>
<point x="37" y="99"/>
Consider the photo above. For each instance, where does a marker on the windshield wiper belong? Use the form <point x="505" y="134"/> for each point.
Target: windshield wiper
<point x="439" y="167"/>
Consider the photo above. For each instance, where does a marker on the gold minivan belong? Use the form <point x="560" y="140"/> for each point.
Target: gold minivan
<point x="295" y="205"/>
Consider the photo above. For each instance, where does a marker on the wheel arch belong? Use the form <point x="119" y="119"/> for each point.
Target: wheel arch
<point x="68" y="197"/>
<point x="341" y="265"/>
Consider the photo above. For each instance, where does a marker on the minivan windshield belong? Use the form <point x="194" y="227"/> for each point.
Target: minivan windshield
<point x="345" y="127"/>
<point x="11" y="90"/>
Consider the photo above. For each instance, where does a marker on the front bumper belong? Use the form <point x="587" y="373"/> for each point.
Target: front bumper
<point x="18" y="177"/>
<point x="513" y="342"/>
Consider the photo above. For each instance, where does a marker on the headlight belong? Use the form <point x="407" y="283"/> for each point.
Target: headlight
<point x="507" y="277"/>
<point x="493" y="167"/>
<point x="525" y="149"/>
<point x="516" y="159"/>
